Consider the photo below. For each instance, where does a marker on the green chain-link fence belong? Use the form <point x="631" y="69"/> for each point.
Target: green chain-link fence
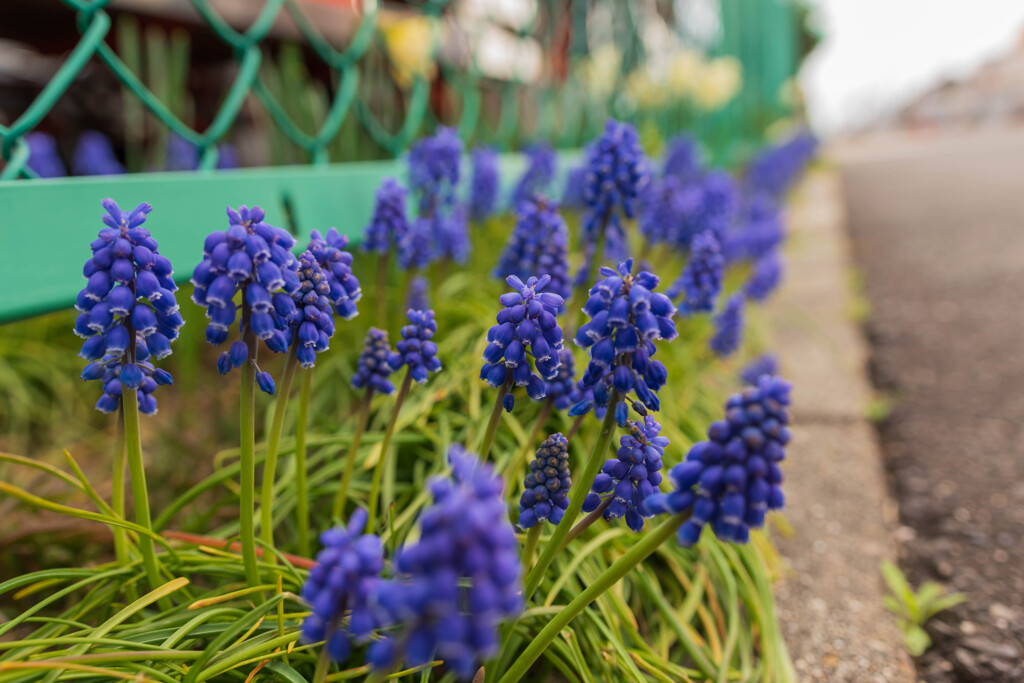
<point x="44" y="221"/>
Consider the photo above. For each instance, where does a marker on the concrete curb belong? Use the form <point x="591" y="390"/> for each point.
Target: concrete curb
<point x="830" y="604"/>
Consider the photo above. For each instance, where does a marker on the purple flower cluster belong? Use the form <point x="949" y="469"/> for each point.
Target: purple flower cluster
<point x="373" y="370"/>
<point x="729" y="326"/>
<point x="547" y="485"/>
<point x="683" y="159"/>
<point x="458" y="582"/>
<point x="757" y="231"/>
<point x="389" y="223"/>
<point x="539" y="243"/>
<point x="575" y="184"/>
<point x="561" y="387"/>
<point x="766" y="364"/>
<point x="344" y="289"/>
<point x="626" y="317"/>
<point x="736" y="471"/>
<point x="702" y="277"/>
<point x="416" y="250"/>
<point x="632" y="476"/>
<point x="451" y="235"/>
<point x="416" y="351"/>
<point x="711" y="204"/>
<point x="434" y="168"/>
<point x="128" y="311"/>
<point x="776" y="168"/>
<point x="346" y="572"/>
<point x="311" y="330"/>
<point x="43" y="156"/>
<point x="616" y="174"/>
<point x="94" y="155"/>
<point x="541" y="162"/>
<point x="664" y="202"/>
<point x="419" y="290"/>
<point x="526" y="326"/>
<point x="484" y="184"/>
<point x="764" y="277"/>
<point x="253" y="258"/>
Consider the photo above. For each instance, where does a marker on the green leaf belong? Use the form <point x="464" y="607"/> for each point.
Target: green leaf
<point x="917" y="640"/>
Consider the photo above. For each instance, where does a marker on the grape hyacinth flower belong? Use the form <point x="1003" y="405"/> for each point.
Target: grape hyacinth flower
<point x="616" y="174"/>
<point x="373" y="370"/>
<point x="484" y="183"/>
<point x="729" y="327"/>
<point x="764" y="277"/>
<point x="419" y="289"/>
<point x="758" y="230"/>
<point x="128" y="312"/>
<point x="346" y="573"/>
<point x="456" y="584"/>
<point x="526" y="326"/>
<point x="560" y="389"/>
<point x="547" y="485"/>
<point x="94" y="155"/>
<point x="777" y="167"/>
<point x="737" y="470"/>
<point x="434" y="169"/>
<point x="180" y="154"/>
<point x="631" y="477"/>
<point x="539" y="243"/>
<point x="683" y="159"/>
<point x="664" y="202"/>
<point x="336" y="263"/>
<point x="710" y="205"/>
<point x="416" y="250"/>
<point x="313" y="327"/>
<point x="253" y="258"/>
<point x="540" y="170"/>
<point x="703" y="276"/>
<point x="389" y="223"/>
<point x="626" y="317"/>
<point x="575" y="183"/>
<point x="766" y="364"/>
<point x="43" y="156"/>
<point x="416" y="351"/>
<point x="451" y="235"/>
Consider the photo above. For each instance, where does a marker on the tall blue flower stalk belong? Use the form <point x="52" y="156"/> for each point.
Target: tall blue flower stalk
<point x="765" y="277"/>
<point x="94" y="155"/>
<point x="757" y="231"/>
<point x="541" y="164"/>
<point x="765" y="364"/>
<point x="731" y="480"/>
<point x="250" y="262"/>
<point x="128" y="317"/>
<point x="43" y="156"/>
<point x="385" y="234"/>
<point x="417" y="353"/>
<point x="440" y="230"/>
<point x="575" y="184"/>
<point x="484" y="184"/>
<point x="539" y="243"/>
<point x="683" y="159"/>
<point x="702" y="277"/>
<point x="458" y="582"/>
<point x="664" y="203"/>
<point x="526" y="327"/>
<point x="712" y="204"/>
<point x="631" y="477"/>
<point x="729" y="323"/>
<point x="777" y="167"/>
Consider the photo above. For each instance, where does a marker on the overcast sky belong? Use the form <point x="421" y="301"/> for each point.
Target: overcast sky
<point x="877" y="53"/>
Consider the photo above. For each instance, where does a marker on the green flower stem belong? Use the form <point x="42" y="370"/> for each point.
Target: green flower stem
<point x="378" y="471"/>
<point x="518" y="460"/>
<point x="323" y="662"/>
<point x="532" y="538"/>
<point x="492" y="423"/>
<point x="353" y="450"/>
<point x="247" y="456"/>
<point x="576" y="424"/>
<point x="273" y="445"/>
<point x="117" y="497"/>
<point x="647" y="544"/>
<point x="579" y="493"/>
<point x="585" y="523"/>
<point x="382" y="284"/>
<point x="301" y="485"/>
<point x="133" y="447"/>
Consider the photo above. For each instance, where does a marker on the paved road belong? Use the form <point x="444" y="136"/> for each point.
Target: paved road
<point x="938" y="229"/>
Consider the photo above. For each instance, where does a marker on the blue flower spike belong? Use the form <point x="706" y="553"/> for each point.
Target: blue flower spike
<point x="458" y="582"/>
<point x="390" y="222"/>
<point x="346" y="573"/>
<point x="416" y="350"/>
<point x="616" y="175"/>
<point x="632" y="476"/>
<point x="626" y="317"/>
<point x="484" y="183"/>
<point x="250" y="261"/>
<point x="336" y="263"/>
<point x="311" y="330"/>
<point x="547" y="485"/>
<point x="729" y="325"/>
<point x="731" y="480"/>
<point x="526" y="327"/>
<point x="541" y="162"/>
<point x="128" y="313"/>
<point x="373" y="370"/>
<point x="702" y="277"/>
<point x="539" y="243"/>
<point x="766" y="364"/>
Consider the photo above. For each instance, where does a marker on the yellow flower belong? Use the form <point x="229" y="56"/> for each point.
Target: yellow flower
<point x="719" y="82"/>
<point x="684" y="71"/>
<point x="601" y="70"/>
<point x="409" y="42"/>
<point x="644" y="90"/>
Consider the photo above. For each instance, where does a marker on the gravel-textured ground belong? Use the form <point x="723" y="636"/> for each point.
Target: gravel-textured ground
<point x="830" y="603"/>
<point x="938" y="228"/>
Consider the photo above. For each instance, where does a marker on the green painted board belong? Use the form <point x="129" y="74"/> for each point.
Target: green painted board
<point x="46" y="225"/>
